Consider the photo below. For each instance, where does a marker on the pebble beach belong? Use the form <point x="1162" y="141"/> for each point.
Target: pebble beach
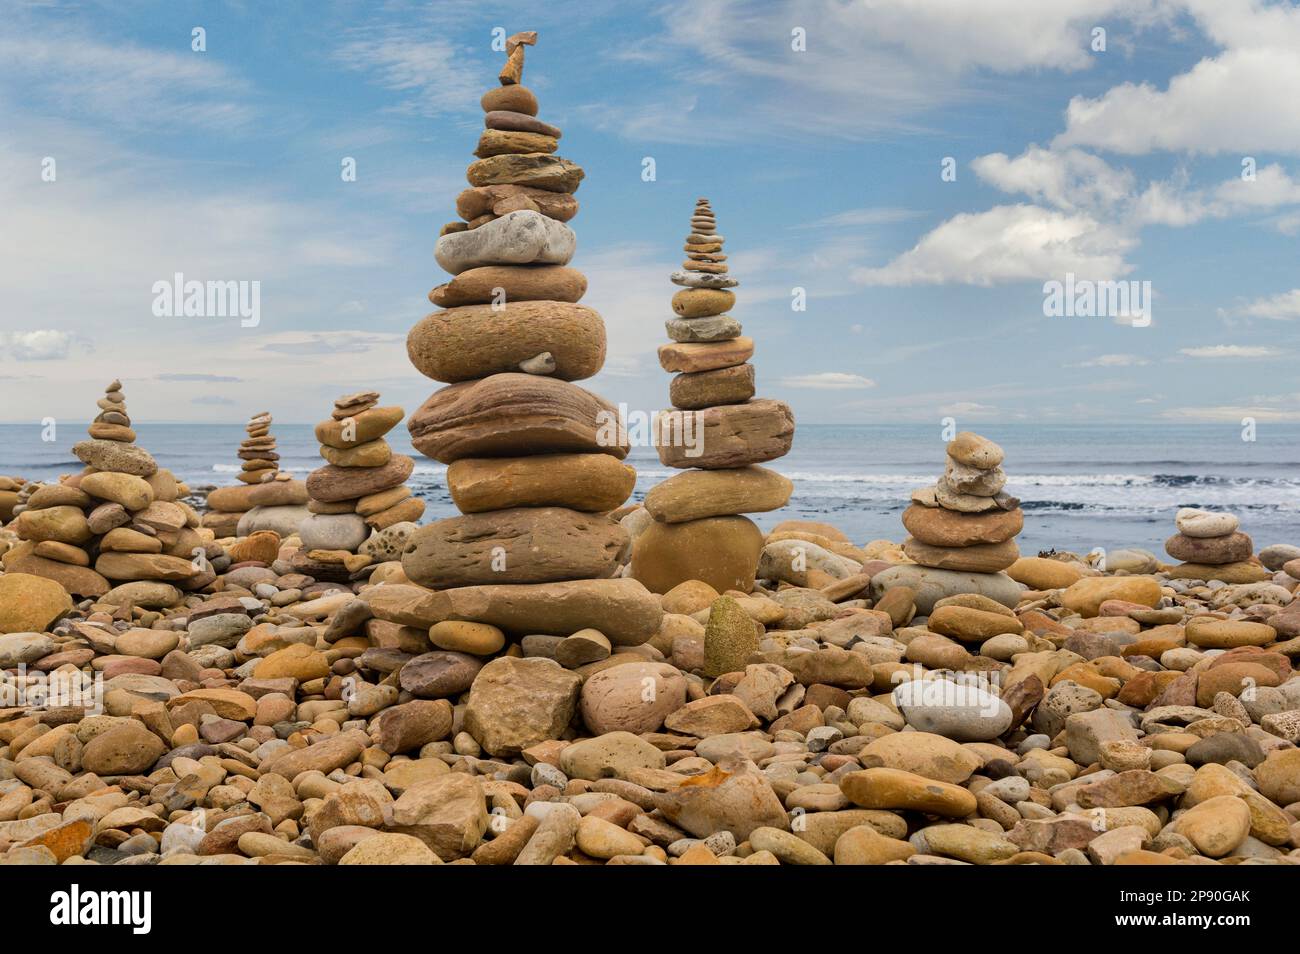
<point x="488" y="630"/>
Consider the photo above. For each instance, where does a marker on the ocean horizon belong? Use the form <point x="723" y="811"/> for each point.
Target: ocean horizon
<point x="1081" y="486"/>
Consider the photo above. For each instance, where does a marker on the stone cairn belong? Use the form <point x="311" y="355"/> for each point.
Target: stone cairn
<point x="717" y="429"/>
<point x="1211" y="547"/>
<point x="361" y="489"/>
<point x="534" y="461"/>
<point x="965" y="521"/>
<point x="270" y="498"/>
<point x="118" y="521"/>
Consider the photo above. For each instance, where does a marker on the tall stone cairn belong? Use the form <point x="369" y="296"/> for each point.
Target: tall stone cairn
<point x="717" y="429"/>
<point x="118" y="521"/>
<point x="965" y="521"/>
<point x="534" y="461"/>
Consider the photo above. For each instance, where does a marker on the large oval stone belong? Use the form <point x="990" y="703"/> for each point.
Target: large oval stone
<point x="517" y="238"/>
<point x="696" y="494"/>
<point x="508" y="415"/>
<point x="474" y="341"/>
<point x="947" y="528"/>
<point x="522" y="545"/>
<point x="588" y="482"/>
<point x="733" y="435"/>
<point x="509" y="283"/>
<point x="720" y="551"/>
<point x="331" y="483"/>
<point x="623" y="609"/>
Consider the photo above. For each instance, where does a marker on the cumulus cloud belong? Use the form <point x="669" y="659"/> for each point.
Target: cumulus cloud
<point x="1241" y="99"/>
<point x="1280" y="307"/>
<point x="45" y="344"/>
<point x="1008" y="243"/>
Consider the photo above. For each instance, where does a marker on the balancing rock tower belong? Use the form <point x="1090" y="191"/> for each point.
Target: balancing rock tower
<point x="717" y="429"/>
<point x="1212" y="547"/>
<point x="534" y="464"/>
<point x="269" y="498"/>
<point x="965" y="521"/>
<point x="362" y="487"/>
<point x="118" y="521"/>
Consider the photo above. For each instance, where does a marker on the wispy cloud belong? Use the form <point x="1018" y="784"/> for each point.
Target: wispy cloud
<point x="828" y="381"/>
<point x="1230" y="351"/>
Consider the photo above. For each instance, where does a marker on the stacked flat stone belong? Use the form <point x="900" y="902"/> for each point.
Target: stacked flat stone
<point x="362" y="488"/>
<point x="534" y="461"/>
<point x="717" y="428"/>
<point x="965" y="521"/>
<point x="269" y="499"/>
<point x="1211" y="547"/>
<point x="118" y="521"/>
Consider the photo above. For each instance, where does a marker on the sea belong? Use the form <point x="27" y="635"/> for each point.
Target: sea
<point x="1081" y="486"/>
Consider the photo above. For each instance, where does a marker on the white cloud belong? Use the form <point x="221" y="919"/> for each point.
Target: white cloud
<point x="828" y="381"/>
<point x="1069" y="179"/>
<point x="1230" y="351"/>
<point x="1279" y="307"/>
<point x="1240" y="100"/>
<point x="131" y="86"/>
<point x="874" y="215"/>
<point x="432" y="75"/>
<point x="1004" y="244"/>
<point x="46" y="344"/>
<point x="1113" y="361"/>
<point x="734" y="68"/>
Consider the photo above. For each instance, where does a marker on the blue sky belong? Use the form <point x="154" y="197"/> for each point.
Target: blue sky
<point x="924" y="297"/>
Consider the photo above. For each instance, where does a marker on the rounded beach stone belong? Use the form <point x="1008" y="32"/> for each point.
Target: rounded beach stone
<point x="975" y="451"/>
<point x="623" y="609"/>
<point x="695" y="494"/>
<point x="1192" y="522"/>
<point x="521" y="545"/>
<point x="701" y="389"/>
<point x="586" y="482"/>
<point x="360" y="428"/>
<point x="1231" y="547"/>
<point x="729" y="436"/>
<point x="507" y="283"/>
<point x="499" y="142"/>
<point x="979" y="558"/>
<point x="331" y="483"/>
<point x="513" y="414"/>
<point x="474" y="341"/>
<point x="512" y="98"/>
<point x="720" y="551"/>
<point x="502" y="198"/>
<point x="115" y="456"/>
<point x="539" y="170"/>
<point x="688" y="357"/>
<point x="703" y="302"/>
<point x="632" y="697"/>
<point x="946" y="528"/>
<point x="718" y="328"/>
<point x="524" y="237"/>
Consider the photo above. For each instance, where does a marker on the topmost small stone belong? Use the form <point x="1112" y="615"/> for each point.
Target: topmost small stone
<point x="513" y="71"/>
<point x="974" y="451"/>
